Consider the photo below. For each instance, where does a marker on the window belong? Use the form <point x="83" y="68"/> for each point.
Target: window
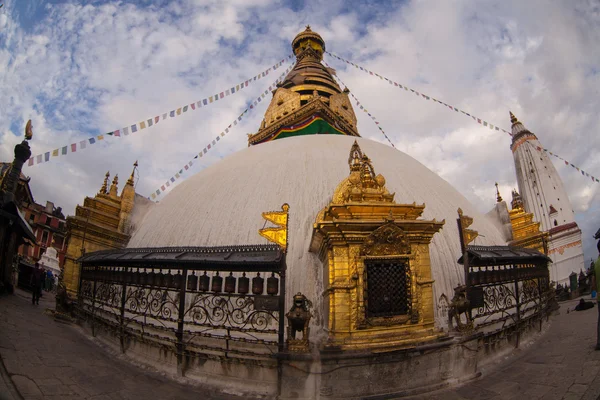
<point x="31" y="217"/>
<point x="555" y="223"/>
<point x="44" y="237"/>
<point x="387" y="289"/>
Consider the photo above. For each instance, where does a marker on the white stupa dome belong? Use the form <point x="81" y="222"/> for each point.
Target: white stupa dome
<point x="222" y="205"/>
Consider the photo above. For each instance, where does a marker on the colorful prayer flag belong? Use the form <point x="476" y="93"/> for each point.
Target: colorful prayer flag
<point x="156" y="119"/>
<point x="100" y="137"/>
<point x="142" y="125"/>
<point x="150" y="122"/>
<point x="55" y="153"/>
<point x="133" y="128"/>
<point x="163" y="188"/>
<point x="185" y="108"/>
<point x="30" y="161"/>
<point x="73" y="147"/>
<point x="193" y="106"/>
<point x="179" y="111"/>
<point x="172" y="179"/>
<point x="126" y="131"/>
<point x="186" y="167"/>
<point x="64" y="150"/>
<point x="82" y="145"/>
<point x="117" y="133"/>
<point x="39" y="158"/>
<point x="47" y="156"/>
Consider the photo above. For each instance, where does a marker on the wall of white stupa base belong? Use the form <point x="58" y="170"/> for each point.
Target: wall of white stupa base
<point x="566" y="252"/>
<point x="540" y="186"/>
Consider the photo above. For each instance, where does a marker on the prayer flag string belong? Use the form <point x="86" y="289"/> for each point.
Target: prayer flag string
<point x="147" y="123"/>
<point x="451" y="107"/>
<point x="361" y="107"/>
<point x="214" y="141"/>
<point x="421" y="95"/>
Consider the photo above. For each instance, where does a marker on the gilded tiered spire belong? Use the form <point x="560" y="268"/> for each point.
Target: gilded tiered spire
<point x="308" y="100"/>
<point x="104" y="188"/>
<point x="114" y="187"/>
<point x="130" y="181"/>
<point x="498" y="197"/>
<point x="518" y="129"/>
<point x="517" y="202"/>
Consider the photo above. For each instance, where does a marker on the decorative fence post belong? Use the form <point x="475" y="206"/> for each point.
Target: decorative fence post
<point x="518" y="303"/>
<point x="95" y="277"/>
<point x="180" y="317"/>
<point x="122" y="319"/>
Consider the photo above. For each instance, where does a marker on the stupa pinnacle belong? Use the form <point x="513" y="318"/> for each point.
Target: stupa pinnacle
<point x="308" y="101"/>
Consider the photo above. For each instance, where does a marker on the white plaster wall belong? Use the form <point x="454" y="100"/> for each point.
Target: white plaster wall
<point x="571" y="259"/>
<point x="223" y="203"/>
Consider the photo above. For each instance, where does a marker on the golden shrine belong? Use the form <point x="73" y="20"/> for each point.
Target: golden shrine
<point x="526" y="232"/>
<point x="102" y="223"/>
<point x="376" y="264"/>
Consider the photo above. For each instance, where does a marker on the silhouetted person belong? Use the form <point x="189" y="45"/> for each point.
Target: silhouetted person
<point x="584" y="305"/>
<point x="36" y="284"/>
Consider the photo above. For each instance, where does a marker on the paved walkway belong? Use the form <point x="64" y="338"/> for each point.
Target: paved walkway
<point x="46" y="359"/>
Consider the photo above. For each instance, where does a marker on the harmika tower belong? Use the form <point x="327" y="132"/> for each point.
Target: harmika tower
<point x="544" y="195"/>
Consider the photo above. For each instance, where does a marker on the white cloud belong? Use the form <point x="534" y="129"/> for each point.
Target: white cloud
<point x="85" y="70"/>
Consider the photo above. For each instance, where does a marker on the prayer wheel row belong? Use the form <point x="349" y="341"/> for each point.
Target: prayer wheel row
<point x="205" y="284"/>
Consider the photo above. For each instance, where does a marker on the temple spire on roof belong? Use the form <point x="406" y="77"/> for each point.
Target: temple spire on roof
<point x="517" y="126"/>
<point x="130" y="181"/>
<point x="498" y="197"/>
<point x="104" y="188"/>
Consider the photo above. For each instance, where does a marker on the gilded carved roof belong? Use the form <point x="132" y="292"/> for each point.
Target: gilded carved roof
<point x="308" y="90"/>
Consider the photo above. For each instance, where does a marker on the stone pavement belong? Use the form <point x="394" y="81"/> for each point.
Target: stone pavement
<point x="45" y="359"/>
<point x="562" y="364"/>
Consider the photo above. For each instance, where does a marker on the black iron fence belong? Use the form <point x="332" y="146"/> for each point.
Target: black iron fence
<point x="212" y="303"/>
<point x="507" y="289"/>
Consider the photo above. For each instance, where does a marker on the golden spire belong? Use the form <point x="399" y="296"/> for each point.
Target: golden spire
<point x="498" y="197"/>
<point x="113" y="187"/>
<point x="513" y="119"/>
<point x="104" y="188"/>
<point x="130" y="180"/>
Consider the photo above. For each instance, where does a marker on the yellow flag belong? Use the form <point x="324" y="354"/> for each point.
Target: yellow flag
<point x="100" y="137"/>
<point x="276" y="217"/>
<point x="276" y="235"/>
<point x="55" y="153"/>
<point x="469" y="235"/>
<point x="179" y="111"/>
<point x="142" y="125"/>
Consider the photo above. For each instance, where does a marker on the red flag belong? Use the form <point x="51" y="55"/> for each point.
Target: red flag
<point x="73" y="147"/>
<point x="185" y="166"/>
<point x="193" y="106"/>
<point x="156" y="119"/>
<point x="163" y="188"/>
<point x="117" y="133"/>
<point x="566" y="163"/>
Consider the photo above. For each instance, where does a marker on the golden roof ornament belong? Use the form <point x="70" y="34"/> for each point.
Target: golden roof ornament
<point x="104" y="188"/>
<point x="132" y="176"/>
<point x="517" y="201"/>
<point x="466" y="235"/>
<point x="113" y="187"/>
<point x="277" y="235"/>
<point x="363" y="184"/>
<point x="498" y="197"/>
<point x="28" y="131"/>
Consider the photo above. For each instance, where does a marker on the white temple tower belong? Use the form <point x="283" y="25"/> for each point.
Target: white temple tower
<point x="544" y="195"/>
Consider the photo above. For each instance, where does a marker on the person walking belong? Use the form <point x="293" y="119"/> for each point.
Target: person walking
<point x="36" y="284"/>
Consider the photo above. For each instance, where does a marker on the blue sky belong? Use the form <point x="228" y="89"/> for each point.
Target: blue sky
<point x="83" y="68"/>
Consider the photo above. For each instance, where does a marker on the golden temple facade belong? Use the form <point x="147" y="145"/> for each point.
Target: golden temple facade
<point x="308" y="101"/>
<point x="376" y="264"/>
<point x="102" y="223"/>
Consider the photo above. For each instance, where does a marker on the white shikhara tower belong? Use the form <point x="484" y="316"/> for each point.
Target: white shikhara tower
<point x="544" y="195"/>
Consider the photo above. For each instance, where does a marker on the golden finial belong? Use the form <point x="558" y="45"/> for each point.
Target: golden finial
<point x="28" y="131"/>
<point x="308" y="27"/>
<point x="114" y="187"/>
<point x="513" y="119"/>
<point x="498" y="197"/>
<point x="130" y="180"/>
<point x="104" y="188"/>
